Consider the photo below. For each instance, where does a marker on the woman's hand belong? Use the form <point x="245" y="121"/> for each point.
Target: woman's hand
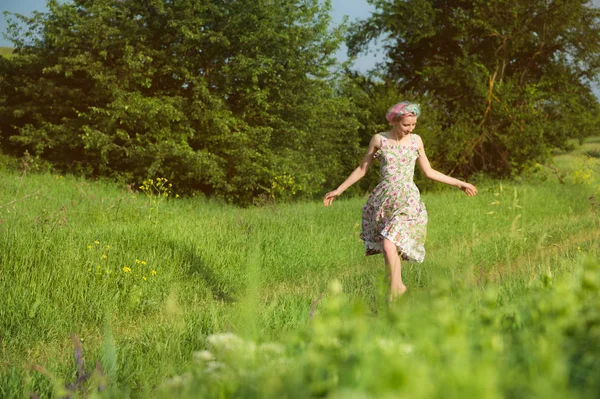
<point x="330" y="196"/>
<point x="468" y="188"/>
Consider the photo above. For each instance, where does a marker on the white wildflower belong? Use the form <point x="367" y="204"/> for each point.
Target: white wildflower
<point x="214" y="367"/>
<point x="335" y="287"/>
<point x="225" y="341"/>
<point x="204" y="356"/>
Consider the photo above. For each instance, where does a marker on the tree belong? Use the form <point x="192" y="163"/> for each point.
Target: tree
<point x="237" y="99"/>
<point x="510" y="79"/>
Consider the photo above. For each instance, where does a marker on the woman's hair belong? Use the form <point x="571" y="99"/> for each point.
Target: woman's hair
<point x="402" y="110"/>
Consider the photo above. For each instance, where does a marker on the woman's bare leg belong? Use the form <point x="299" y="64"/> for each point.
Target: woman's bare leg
<point x="392" y="260"/>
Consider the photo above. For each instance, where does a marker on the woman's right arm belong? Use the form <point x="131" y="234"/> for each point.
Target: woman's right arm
<point x="358" y="173"/>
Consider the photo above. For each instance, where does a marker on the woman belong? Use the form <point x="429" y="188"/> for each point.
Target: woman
<point x="394" y="219"/>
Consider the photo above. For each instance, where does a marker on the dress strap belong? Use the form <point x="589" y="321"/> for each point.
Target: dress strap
<point x="383" y="140"/>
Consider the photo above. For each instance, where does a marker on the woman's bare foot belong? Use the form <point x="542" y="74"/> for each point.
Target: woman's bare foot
<point x="397" y="292"/>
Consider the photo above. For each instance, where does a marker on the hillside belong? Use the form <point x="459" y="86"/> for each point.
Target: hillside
<point x="6" y="52"/>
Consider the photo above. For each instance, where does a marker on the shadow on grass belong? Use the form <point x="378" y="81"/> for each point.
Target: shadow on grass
<point x="196" y="266"/>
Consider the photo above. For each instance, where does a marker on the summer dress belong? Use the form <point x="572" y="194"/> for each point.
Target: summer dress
<point x="394" y="209"/>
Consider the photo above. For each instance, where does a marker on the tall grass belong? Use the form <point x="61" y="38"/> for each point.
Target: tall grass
<point x="145" y="282"/>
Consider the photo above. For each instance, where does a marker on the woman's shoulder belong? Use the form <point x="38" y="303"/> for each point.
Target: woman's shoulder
<point x="378" y="139"/>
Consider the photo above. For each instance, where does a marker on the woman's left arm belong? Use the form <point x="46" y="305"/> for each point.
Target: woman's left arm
<point x="433" y="174"/>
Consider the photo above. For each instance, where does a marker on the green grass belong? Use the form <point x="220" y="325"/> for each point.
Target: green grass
<point x="502" y="306"/>
<point x="6" y="52"/>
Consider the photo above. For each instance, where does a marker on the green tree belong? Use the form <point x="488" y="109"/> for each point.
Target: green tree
<point x="510" y="80"/>
<point x="225" y="97"/>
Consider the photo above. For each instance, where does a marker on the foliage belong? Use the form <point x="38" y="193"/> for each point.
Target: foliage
<point x="218" y="97"/>
<point x="510" y="80"/>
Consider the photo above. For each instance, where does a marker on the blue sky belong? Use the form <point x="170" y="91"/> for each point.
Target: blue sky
<point x="354" y="9"/>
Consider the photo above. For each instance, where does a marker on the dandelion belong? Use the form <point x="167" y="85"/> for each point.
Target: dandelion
<point x="104" y="256"/>
<point x="89" y="247"/>
<point x="579" y="249"/>
<point x="144" y="278"/>
<point x="107" y="246"/>
<point x="97" y="242"/>
<point x="176" y="195"/>
<point x="126" y="269"/>
<point x="153" y="272"/>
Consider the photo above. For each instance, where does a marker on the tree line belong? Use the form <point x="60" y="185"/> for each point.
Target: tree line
<point x="245" y="100"/>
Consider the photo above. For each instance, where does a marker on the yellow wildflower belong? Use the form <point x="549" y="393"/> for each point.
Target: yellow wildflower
<point x="126" y="269"/>
<point x="104" y="256"/>
<point x="97" y="242"/>
<point x="145" y="278"/>
<point x="153" y="272"/>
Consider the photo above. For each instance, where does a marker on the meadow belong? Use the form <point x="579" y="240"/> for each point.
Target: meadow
<point x="109" y="291"/>
<point x="6" y="52"/>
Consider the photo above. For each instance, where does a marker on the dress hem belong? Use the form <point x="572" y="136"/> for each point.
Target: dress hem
<point x="374" y="248"/>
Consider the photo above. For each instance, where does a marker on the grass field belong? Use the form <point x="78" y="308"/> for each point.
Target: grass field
<point x="113" y="293"/>
<point x="6" y="52"/>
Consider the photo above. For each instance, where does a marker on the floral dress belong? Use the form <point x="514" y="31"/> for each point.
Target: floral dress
<point x="394" y="209"/>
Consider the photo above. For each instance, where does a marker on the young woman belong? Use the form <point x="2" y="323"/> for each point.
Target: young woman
<point x="394" y="219"/>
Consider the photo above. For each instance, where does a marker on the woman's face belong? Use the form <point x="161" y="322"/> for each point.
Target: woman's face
<point x="406" y="125"/>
